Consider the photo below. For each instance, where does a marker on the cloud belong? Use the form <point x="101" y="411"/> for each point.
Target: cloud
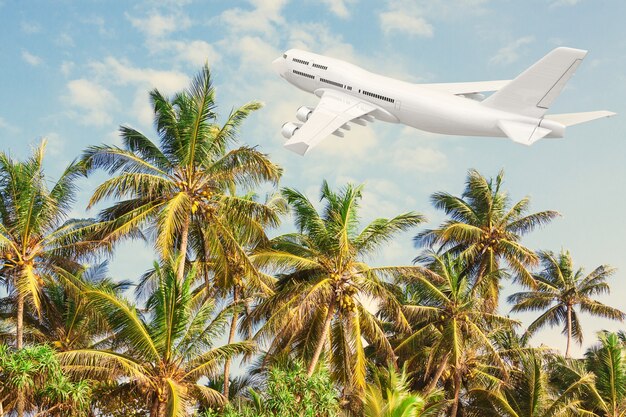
<point x="30" y="28"/>
<point x="261" y="19"/>
<point x="399" y="21"/>
<point x="420" y="159"/>
<point x="254" y="53"/>
<point x="414" y="17"/>
<point x="511" y="52"/>
<point x="67" y="67"/>
<point x="31" y="59"/>
<point x="558" y="3"/>
<point x="92" y="101"/>
<point x="340" y="7"/>
<point x="55" y="144"/>
<point x="100" y="24"/>
<point x="64" y="39"/>
<point x="123" y="73"/>
<point x="4" y="125"/>
<point x="195" y="52"/>
<point x="157" y="25"/>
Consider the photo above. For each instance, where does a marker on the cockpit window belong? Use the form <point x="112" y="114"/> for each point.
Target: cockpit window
<point x="285" y="56"/>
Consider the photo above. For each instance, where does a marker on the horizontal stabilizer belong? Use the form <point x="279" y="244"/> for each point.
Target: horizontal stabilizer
<point x="523" y="133"/>
<point x="570" y="119"/>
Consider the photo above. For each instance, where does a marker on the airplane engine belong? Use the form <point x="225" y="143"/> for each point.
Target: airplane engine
<point x="304" y="113"/>
<point x="289" y="129"/>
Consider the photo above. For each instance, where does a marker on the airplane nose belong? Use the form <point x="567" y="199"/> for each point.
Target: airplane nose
<point x="279" y="65"/>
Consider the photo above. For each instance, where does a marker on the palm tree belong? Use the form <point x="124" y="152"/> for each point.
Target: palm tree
<point x="539" y="386"/>
<point x="452" y="331"/>
<point x="607" y="361"/>
<point x="234" y="282"/>
<point x="64" y="321"/>
<point x="485" y="229"/>
<point x="36" y="240"/>
<point x="389" y="395"/>
<point x="559" y="290"/>
<point x="167" y="352"/>
<point x="326" y="294"/>
<point x="182" y="187"/>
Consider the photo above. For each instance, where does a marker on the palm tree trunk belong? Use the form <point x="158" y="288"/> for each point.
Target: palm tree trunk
<point x="569" y="330"/>
<point x="433" y="382"/>
<point x="231" y="338"/>
<point x="322" y="339"/>
<point x="19" y="336"/>
<point x="457" y="393"/>
<point x="184" y="239"/>
<point x="154" y="409"/>
<point x="19" y="343"/>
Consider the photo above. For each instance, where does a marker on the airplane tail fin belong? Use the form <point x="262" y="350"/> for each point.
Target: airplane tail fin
<point x="570" y="119"/>
<point x="534" y="90"/>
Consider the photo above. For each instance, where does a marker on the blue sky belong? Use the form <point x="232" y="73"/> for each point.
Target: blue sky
<point x="74" y="71"/>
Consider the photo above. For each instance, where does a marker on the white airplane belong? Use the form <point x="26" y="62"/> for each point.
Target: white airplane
<point x="351" y="94"/>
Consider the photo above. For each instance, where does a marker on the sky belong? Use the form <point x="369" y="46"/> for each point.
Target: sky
<point x="74" y="71"/>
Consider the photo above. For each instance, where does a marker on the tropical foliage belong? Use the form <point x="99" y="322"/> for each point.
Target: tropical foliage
<point x="166" y="353"/>
<point x="289" y="392"/>
<point x="186" y="182"/>
<point x="559" y="290"/>
<point x="452" y="337"/>
<point x="388" y="395"/>
<point x="324" y="285"/>
<point x="228" y="321"/>
<point x="35" y="372"/>
<point x="485" y="230"/>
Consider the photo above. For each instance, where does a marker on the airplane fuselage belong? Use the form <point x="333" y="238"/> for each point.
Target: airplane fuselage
<point x="398" y="101"/>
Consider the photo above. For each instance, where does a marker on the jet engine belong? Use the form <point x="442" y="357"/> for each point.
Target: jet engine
<point x="304" y="113"/>
<point x="289" y="129"/>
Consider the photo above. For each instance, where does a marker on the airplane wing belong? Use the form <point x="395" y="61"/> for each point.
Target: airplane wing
<point x="334" y="110"/>
<point x="468" y="88"/>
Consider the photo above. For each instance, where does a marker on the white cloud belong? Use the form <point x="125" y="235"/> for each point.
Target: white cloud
<point x="414" y="17"/>
<point x="261" y="19"/>
<point x="565" y="3"/>
<point x="511" y="52"/>
<point x="55" y="145"/>
<point x="254" y="53"/>
<point x="195" y="52"/>
<point x="123" y="73"/>
<point x="91" y="101"/>
<point x="340" y="7"/>
<point x="67" y="67"/>
<point x="420" y="159"/>
<point x="65" y="39"/>
<point x="31" y="59"/>
<point x="400" y="21"/>
<point x="4" y="125"/>
<point x="157" y="25"/>
<point x="116" y="72"/>
<point x="100" y="24"/>
<point x="30" y="28"/>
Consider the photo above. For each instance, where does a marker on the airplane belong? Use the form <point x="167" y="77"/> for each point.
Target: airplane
<point x="350" y="94"/>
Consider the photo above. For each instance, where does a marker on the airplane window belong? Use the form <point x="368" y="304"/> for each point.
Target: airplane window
<point x="303" y="74"/>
